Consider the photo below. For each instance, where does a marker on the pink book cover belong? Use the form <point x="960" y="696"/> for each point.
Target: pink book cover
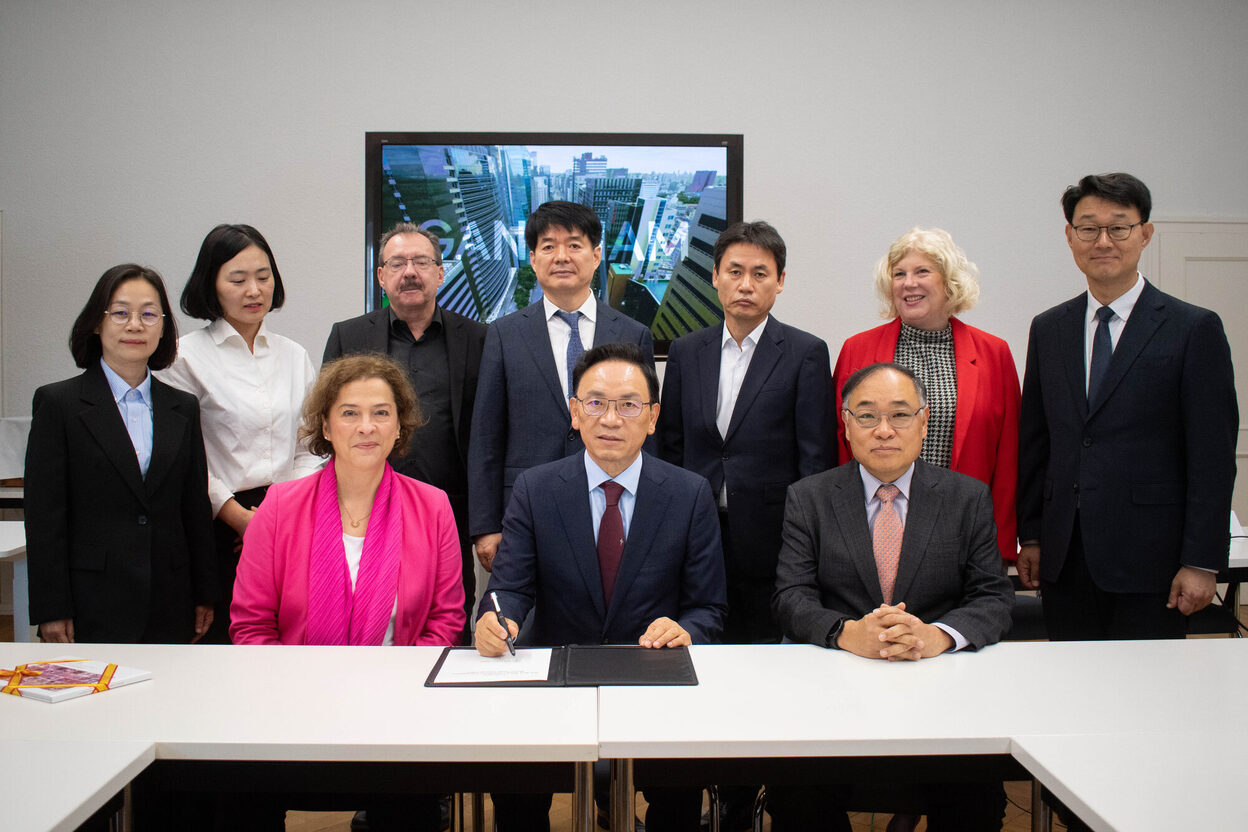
<point x="56" y="680"/>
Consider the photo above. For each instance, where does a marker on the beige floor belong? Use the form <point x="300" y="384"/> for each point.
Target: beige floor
<point x="1017" y="812"/>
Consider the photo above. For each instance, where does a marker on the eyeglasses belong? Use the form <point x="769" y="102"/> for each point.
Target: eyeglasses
<point x="422" y="264"/>
<point x="1088" y="233"/>
<point x="900" y="419"/>
<point x="627" y="408"/>
<point x="122" y="316"/>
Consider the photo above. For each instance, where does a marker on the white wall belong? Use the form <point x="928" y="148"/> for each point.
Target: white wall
<point x="128" y="129"/>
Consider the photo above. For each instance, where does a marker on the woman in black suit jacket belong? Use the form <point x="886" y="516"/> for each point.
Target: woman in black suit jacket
<point x="118" y="524"/>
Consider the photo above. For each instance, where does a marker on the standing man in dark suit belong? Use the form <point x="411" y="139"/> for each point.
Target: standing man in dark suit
<point x="521" y="418"/>
<point x="1127" y="437"/>
<point x="442" y="353"/>
<point x="888" y="557"/>
<point x="748" y="405"/>
<point x="608" y="546"/>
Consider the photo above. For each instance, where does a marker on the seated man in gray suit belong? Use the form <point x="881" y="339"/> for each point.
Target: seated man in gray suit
<point x="888" y="557"/>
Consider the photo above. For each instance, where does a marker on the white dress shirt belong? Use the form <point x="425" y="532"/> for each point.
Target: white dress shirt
<point x="901" y="503"/>
<point x="734" y="362"/>
<point x="560" y="333"/>
<point x="250" y="406"/>
<point x="1122" y="306"/>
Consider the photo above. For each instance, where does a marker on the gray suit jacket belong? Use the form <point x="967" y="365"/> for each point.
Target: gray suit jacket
<point x="950" y="569"/>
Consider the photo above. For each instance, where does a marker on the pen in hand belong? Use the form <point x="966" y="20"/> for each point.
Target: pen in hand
<point x="502" y="622"/>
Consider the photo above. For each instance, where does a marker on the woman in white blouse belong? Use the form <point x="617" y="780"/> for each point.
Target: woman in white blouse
<point x="250" y="383"/>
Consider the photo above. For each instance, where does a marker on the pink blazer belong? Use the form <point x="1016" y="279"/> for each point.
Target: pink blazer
<point x="271" y="590"/>
<point x="985" y="427"/>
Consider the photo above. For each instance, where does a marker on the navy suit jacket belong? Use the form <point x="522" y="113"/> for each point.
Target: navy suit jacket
<point x="1149" y="466"/>
<point x="521" y="417"/>
<point x="126" y="557"/>
<point x="950" y="569"/>
<point x="782" y="429"/>
<point x="464" y="340"/>
<point x="672" y="564"/>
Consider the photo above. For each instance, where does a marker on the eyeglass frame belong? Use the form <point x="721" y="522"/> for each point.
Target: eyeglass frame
<point x="1099" y="228"/>
<point x="616" y="402"/>
<point x="430" y="263"/>
<point x="885" y="417"/>
<point x="112" y="313"/>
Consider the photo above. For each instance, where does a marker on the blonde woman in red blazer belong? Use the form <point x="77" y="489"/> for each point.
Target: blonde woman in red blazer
<point x="923" y="281"/>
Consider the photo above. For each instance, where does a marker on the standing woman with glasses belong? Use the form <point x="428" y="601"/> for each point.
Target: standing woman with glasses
<point x="972" y="383"/>
<point x="250" y="383"/>
<point x="117" y="513"/>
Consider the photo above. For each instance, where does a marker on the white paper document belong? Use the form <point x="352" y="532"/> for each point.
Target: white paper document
<point x="469" y="666"/>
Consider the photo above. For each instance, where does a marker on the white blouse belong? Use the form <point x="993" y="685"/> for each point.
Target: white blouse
<point x="250" y="406"/>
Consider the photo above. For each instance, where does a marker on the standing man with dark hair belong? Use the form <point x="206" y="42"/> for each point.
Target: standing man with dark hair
<point x="749" y="405"/>
<point x="1127" y="437"/>
<point x="608" y="546"/>
<point x="522" y="416"/>
<point x="441" y="352"/>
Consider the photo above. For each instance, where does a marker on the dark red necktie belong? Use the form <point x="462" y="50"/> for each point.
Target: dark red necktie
<point x="610" y="539"/>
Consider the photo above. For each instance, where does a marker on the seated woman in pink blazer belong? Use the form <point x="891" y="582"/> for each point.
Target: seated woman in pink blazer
<point x="972" y="383"/>
<point x="356" y="553"/>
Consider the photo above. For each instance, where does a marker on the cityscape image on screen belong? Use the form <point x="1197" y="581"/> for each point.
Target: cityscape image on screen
<point x="661" y="207"/>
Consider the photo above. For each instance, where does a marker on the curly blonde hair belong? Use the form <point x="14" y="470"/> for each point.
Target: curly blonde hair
<point x="960" y="275"/>
<point x="338" y="374"/>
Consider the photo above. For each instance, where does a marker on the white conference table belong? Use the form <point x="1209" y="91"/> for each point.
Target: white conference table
<point x="812" y="702"/>
<point x="57" y="785"/>
<point x="305" y="704"/>
<point x="13" y="550"/>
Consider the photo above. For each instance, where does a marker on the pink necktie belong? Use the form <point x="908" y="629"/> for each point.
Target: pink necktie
<point x="610" y="539"/>
<point x="886" y="540"/>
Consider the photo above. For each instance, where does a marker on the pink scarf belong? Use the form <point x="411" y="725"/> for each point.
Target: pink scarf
<point x="335" y="614"/>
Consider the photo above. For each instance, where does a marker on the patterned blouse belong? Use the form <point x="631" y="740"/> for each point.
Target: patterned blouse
<point x="929" y="355"/>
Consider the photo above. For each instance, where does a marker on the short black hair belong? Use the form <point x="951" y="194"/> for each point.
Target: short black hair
<point x="1118" y="188"/>
<point x="223" y="243"/>
<point x="558" y="213"/>
<point x="627" y="352"/>
<point x="757" y="233"/>
<point x="852" y="383"/>
<point x="84" y="341"/>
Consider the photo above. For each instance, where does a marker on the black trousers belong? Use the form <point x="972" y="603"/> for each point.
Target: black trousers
<point x="225" y="541"/>
<point x="949" y="807"/>
<point x="670" y="810"/>
<point x="1076" y="609"/>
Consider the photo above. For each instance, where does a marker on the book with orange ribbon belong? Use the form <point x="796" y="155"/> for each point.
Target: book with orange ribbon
<point x="56" y="680"/>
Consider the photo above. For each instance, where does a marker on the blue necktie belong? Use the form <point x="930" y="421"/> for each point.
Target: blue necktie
<point x="1102" y="349"/>
<point x="572" y="319"/>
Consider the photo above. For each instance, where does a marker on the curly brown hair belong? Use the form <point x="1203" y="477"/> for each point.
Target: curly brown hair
<point x="338" y="374"/>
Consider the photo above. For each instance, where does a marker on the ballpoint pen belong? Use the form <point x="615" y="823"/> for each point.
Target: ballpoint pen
<point x="502" y="621"/>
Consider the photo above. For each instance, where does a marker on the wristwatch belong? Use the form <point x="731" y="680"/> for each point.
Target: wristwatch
<point x="834" y="634"/>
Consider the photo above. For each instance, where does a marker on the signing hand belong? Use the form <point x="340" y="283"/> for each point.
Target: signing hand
<point x="664" y="632"/>
<point x="486" y="546"/>
<point x="1191" y="590"/>
<point x="490" y="638"/>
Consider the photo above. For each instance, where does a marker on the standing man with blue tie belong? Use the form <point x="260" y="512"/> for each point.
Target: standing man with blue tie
<point x="1126" y="437"/>
<point x="521" y="417"/>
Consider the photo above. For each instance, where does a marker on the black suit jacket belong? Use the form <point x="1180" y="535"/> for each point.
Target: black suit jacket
<point x="125" y="557"/>
<point x="782" y="429"/>
<point x="522" y="416"/>
<point x="950" y="569"/>
<point x="464" y="340"/>
<point x="672" y="564"/>
<point x="1149" y="465"/>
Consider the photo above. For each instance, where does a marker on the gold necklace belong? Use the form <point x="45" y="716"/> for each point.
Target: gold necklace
<point x="355" y="524"/>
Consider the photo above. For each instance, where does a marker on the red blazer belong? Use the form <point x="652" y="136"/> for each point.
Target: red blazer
<point x="271" y="591"/>
<point x="985" y="428"/>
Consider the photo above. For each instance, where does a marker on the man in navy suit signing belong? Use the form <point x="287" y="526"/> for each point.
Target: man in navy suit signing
<point x="521" y="414"/>
<point x="608" y="546"/>
<point x="1126" y="437"/>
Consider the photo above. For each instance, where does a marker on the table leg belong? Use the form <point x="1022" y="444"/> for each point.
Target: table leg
<point x="478" y="812"/>
<point x="583" y="797"/>
<point x="1041" y="812"/>
<point x="21" y="600"/>
<point x="623" y="796"/>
